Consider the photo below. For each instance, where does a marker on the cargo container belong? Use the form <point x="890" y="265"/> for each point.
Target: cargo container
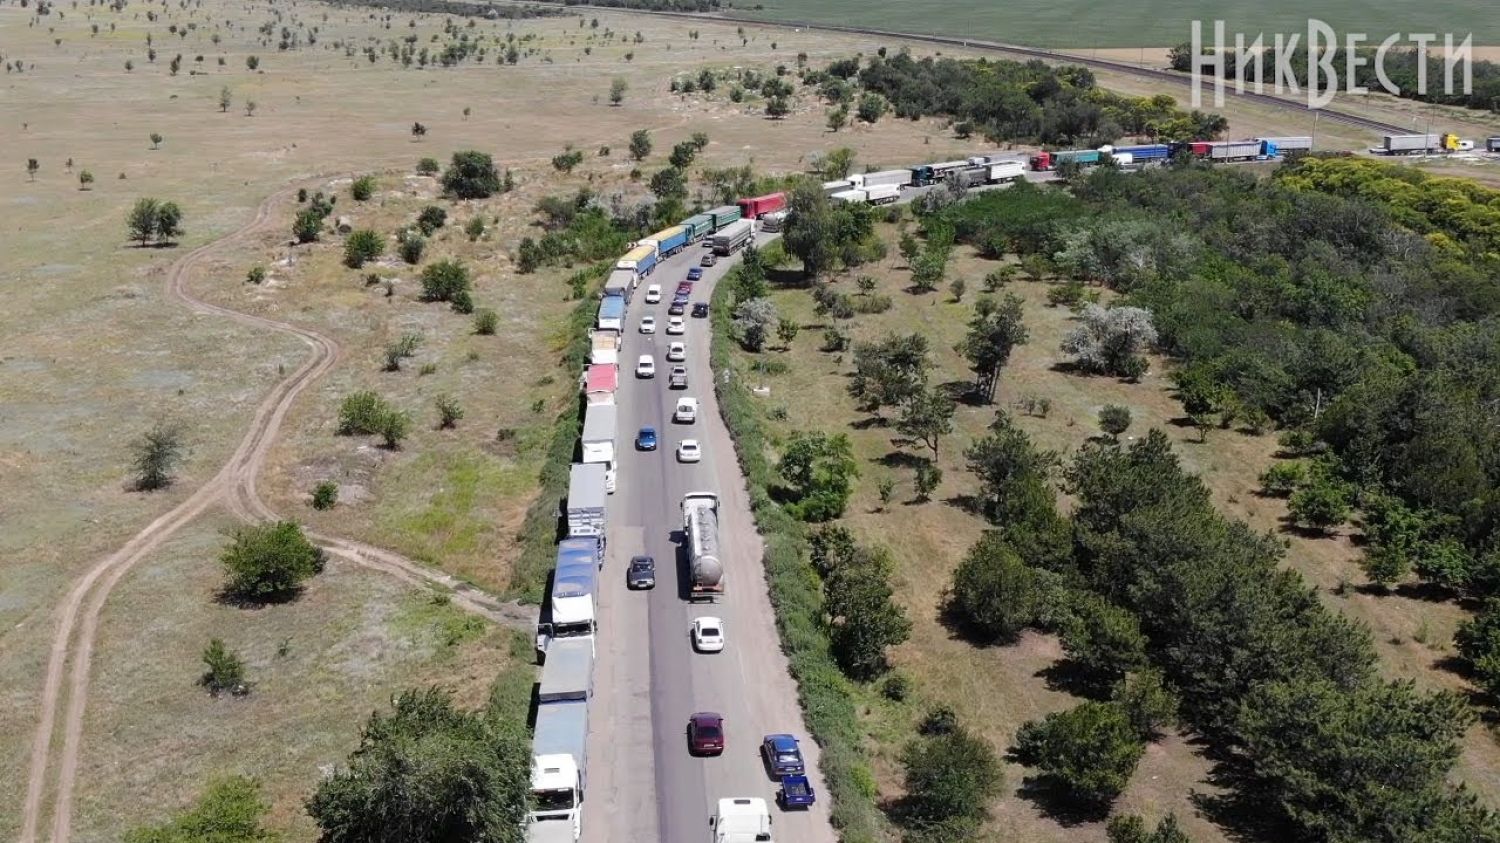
<point x="604" y="357"/>
<point x="731" y="239"/>
<point x="1004" y="171"/>
<point x="600" y="381"/>
<point x="668" y="241"/>
<point x="569" y="611"/>
<point x="611" y="313"/>
<point x="601" y="339"/>
<point x="773" y="221"/>
<point x="598" y="441"/>
<point x="899" y="178"/>
<point x="752" y="208"/>
<point x="1150" y="153"/>
<point x="857" y="196"/>
<point x="1045" y="160"/>
<point x="1410" y="144"/>
<point x="1283" y="145"/>
<point x="640" y="260"/>
<point x="832" y="187"/>
<point x="587" y="500"/>
<point x="1242" y="150"/>
<point x="1492" y="144"/>
<point x="724" y="215"/>
<point x="568" y="674"/>
<point x="925" y="174"/>
<point x="621" y="282"/>
<point x="698" y="227"/>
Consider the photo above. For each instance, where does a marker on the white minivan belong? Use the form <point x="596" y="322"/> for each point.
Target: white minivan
<point x="653" y="294"/>
<point x="687" y="411"/>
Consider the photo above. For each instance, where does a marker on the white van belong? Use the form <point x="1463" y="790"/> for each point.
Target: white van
<point x="653" y="294"/>
<point x="687" y="411"/>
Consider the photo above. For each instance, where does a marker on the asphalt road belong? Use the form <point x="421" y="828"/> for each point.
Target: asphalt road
<point x="643" y="785"/>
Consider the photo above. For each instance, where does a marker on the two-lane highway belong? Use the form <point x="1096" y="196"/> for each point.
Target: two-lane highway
<point x="643" y="785"/>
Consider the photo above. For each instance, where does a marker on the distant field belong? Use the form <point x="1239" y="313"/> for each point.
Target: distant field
<point x="1075" y="24"/>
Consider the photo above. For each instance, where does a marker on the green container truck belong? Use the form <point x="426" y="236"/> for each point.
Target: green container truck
<point x="698" y="227"/>
<point x="724" y="215"/>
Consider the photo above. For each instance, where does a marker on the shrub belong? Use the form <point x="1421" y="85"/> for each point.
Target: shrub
<point x="471" y="175"/>
<point x="224" y="671"/>
<point x="362" y="246"/>
<point x="156" y="453"/>
<point x="394" y="426"/>
<point x="1066" y="295"/>
<point x="474" y="228"/>
<point x="995" y="594"/>
<point x="1088" y="751"/>
<point x="307" y="226"/>
<point x="950" y="779"/>
<point x="428" y="167"/>
<point x="431" y="219"/>
<point x="486" y="321"/>
<point x="412" y="247"/>
<point x="230" y="811"/>
<point x="1283" y="478"/>
<point x="1114" y="420"/>
<point x="362" y="188"/>
<point x="361" y="413"/>
<point x="256" y="275"/>
<point x="325" y="495"/>
<point x="449" y="411"/>
<point x="927" y="479"/>
<point x="269" y="561"/>
<point x="1321" y="503"/>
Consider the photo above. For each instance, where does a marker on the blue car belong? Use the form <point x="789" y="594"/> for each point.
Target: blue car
<point x="695" y="274"/>
<point x="795" y="792"/>
<point x="646" y="439"/>
<point x="782" y="756"/>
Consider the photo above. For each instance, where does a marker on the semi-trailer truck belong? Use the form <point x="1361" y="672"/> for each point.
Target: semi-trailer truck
<point x="741" y="819"/>
<point x="1004" y="171"/>
<point x="639" y="260"/>
<point x="774" y="221"/>
<point x="587" y="500"/>
<point x="621" y="282"/>
<point x="611" y="313"/>
<point x="667" y="242"/>
<point x="698" y="226"/>
<point x="570" y="610"/>
<point x="733" y="237"/>
<point x="598" y="440"/>
<point x="700" y="528"/>
<point x="1289" y="143"/>
<point x="880" y="194"/>
<point x="831" y="188"/>
<point x="724" y="215"/>
<point x="925" y="174"/>
<point x="1046" y="160"/>
<point x="754" y="207"/>
<point x="899" y="178"/>
<point x="559" y="747"/>
<point x="1419" y="144"/>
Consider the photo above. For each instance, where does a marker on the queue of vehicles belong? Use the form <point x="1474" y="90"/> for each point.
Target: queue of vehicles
<point x="568" y="627"/>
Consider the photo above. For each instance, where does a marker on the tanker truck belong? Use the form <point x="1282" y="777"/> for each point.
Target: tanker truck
<point x="700" y="528"/>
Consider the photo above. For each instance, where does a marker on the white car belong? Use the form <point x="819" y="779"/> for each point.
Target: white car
<point x="675" y="325"/>
<point x="687" y="411"/>
<point x="708" y="635"/>
<point x="653" y="294"/>
<point x="676" y="352"/>
<point x="645" y="367"/>
<point x="648" y="324"/>
<point x="688" y="451"/>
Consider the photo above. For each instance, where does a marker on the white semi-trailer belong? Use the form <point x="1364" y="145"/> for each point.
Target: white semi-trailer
<point x="700" y="527"/>
<point x="733" y="236"/>
<point x="743" y="819"/>
<point x="598" y="440"/>
<point x="559" y="747"/>
<point x="587" y="500"/>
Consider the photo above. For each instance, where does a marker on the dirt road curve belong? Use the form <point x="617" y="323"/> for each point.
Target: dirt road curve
<point x="234" y="486"/>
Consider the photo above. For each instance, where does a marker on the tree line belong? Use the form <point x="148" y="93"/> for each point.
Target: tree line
<point x="1007" y="100"/>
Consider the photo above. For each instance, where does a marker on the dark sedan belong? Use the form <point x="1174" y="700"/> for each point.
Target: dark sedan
<point x="641" y="574"/>
<point x="705" y="734"/>
<point x="782" y="755"/>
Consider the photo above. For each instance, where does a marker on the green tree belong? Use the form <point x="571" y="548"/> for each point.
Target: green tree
<point x="1322" y="503"/>
<point x="156" y="140"/>
<point x="362" y="246"/>
<point x="269" y="561"/>
<point x="1104" y="641"/>
<point x="820" y="471"/>
<point x="431" y="219"/>
<point x="394" y="426"/>
<point x="428" y="167"/>
<point x="950" y="777"/>
<point x="141" y="221"/>
<point x="471" y="175"/>
<point x="223" y="670"/>
<point x="411" y="247"/>
<point x="1129" y="828"/>
<point x="155" y="455"/>
<point x="565" y="161"/>
<point x="1283" y="478"/>
<point x="1146" y="701"/>
<point x="927" y="416"/>
<point x="993" y="334"/>
<point x="682" y="155"/>
<point x="1088" y="751"/>
<point x="836" y="163"/>
<point x="1114" y="420"/>
<point x="85" y="180"/>
<point x="640" y="144"/>
<point x="362" y="188"/>
<point x="863" y="618"/>
<point x="32" y="165"/>
<point x="777" y="107"/>
<point x="994" y="593"/>
<point x="669" y="184"/>
<point x="461" y="775"/>
<point x="361" y="412"/>
<point x="1478" y="641"/>
<point x="230" y="811"/>
<point x="168" y="223"/>
<point x="838" y="118"/>
<point x="928" y="478"/>
<point x="252" y="63"/>
<point x="753" y="321"/>
<point x="872" y="107"/>
<point x="617" y="89"/>
<point x="786" y="331"/>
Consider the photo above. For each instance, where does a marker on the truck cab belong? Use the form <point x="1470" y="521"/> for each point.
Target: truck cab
<point x="741" y="819"/>
<point x="556" y="799"/>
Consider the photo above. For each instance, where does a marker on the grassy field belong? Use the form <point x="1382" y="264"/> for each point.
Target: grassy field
<point x="997" y="689"/>
<point x="1077" y="25"/>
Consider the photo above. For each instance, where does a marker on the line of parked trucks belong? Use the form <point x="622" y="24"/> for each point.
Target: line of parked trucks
<point x="568" y="628"/>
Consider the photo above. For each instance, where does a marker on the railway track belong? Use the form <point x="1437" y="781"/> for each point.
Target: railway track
<point x="1155" y="74"/>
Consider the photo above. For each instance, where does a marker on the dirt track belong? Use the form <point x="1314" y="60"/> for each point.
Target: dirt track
<point x="234" y="486"/>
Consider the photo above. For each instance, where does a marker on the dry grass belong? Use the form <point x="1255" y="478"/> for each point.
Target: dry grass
<point x="997" y="689"/>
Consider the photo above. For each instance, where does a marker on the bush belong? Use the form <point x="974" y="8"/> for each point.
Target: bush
<point x="471" y="175"/>
<point x="362" y="246"/>
<point x="1321" y="503"/>
<point x="486" y="321"/>
<point x="269" y="561"/>
<point x="950" y="779"/>
<point x="876" y="303"/>
<point x="156" y="454"/>
<point x="444" y="280"/>
<point x="361" y="413"/>
<point x="307" y="226"/>
<point x="896" y="688"/>
<point x="412" y="247"/>
<point x="1114" y="420"/>
<point x="230" y="811"/>
<point x="449" y="411"/>
<point x="431" y="219"/>
<point x="1088" y="751"/>
<point x="939" y="720"/>
<point x="1147" y="702"/>
<point x="224" y="671"/>
<point x="256" y="275"/>
<point x="325" y="495"/>
<point x="1282" y="479"/>
<point x="428" y="167"/>
<point x="1103" y="640"/>
<point x="362" y="188"/>
<point x="474" y="228"/>
<point x="927" y="480"/>
<point x="394" y="426"/>
<point x="995" y="595"/>
<point x="1066" y="295"/>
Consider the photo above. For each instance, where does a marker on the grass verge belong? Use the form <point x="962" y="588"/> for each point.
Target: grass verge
<point x="539" y="531"/>
<point x="824" y="693"/>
